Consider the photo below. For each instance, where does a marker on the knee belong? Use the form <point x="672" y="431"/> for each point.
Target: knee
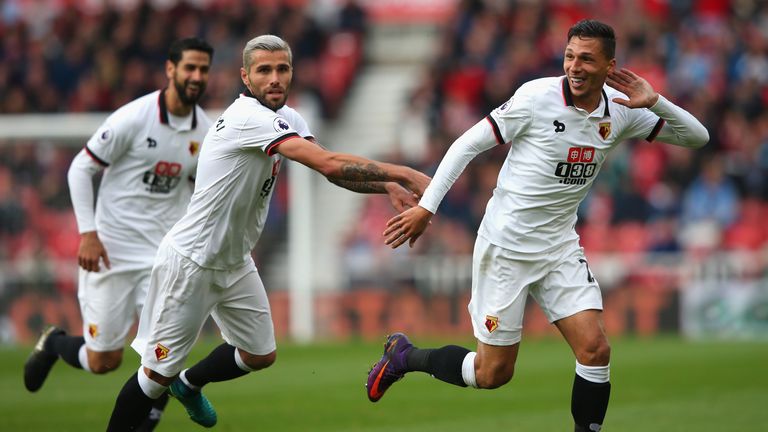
<point x="258" y="362"/>
<point x="491" y="376"/>
<point x="596" y="353"/>
<point x="102" y="362"/>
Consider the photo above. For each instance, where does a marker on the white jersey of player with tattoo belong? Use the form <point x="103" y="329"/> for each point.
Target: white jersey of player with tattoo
<point x="150" y="157"/>
<point x="236" y="177"/>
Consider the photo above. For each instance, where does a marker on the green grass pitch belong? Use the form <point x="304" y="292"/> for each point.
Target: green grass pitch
<point x="658" y="384"/>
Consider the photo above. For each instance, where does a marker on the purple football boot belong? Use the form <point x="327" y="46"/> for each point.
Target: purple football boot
<point x="390" y="368"/>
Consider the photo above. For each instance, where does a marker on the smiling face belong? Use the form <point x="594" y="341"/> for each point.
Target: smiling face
<point x="269" y="77"/>
<point x="586" y="66"/>
<point x="190" y="75"/>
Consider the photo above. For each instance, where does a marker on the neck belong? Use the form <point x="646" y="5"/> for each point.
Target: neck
<point x="174" y="105"/>
<point x="588" y="102"/>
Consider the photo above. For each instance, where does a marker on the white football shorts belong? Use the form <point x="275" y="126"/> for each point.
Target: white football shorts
<point x="109" y="303"/>
<point x="181" y="297"/>
<point x="559" y="281"/>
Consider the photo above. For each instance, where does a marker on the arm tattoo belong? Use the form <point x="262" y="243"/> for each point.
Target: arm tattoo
<point x="357" y="172"/>
<point x="360" y="186"/>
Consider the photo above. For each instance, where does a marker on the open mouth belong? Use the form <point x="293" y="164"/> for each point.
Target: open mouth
<point x="577" y="82"/>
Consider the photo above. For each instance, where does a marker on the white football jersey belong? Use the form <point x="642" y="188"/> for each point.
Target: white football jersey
<point x="236" y="176"/>
<point x="150" y="157"/>
<point x="556" y="152"/>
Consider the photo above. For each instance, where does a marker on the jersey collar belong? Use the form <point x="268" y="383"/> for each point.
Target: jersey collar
<point x="568" y="97"/>
<point x="164" y="110"/>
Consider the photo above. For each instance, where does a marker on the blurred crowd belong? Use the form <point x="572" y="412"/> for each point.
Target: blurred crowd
<point x="66" y="56"/>
<point x="60" y="56"/>
<point x="710" y="57"/>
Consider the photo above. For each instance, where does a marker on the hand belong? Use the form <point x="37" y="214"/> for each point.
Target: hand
<point x="90" y="251"/>
<point x="408" y="225"/>
<point x="417" y="181"/>
<point x="401" y="198"/>
<point x="641" y="94"/>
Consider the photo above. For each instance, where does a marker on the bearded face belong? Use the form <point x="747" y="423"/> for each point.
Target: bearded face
<point x="190" y="76"/>
<point x="269" y="77"/>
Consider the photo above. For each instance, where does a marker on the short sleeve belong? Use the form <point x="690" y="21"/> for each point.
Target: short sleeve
<point x="111" y="140"/>
<point x="642" y="124"/>
<point x="297" y="121"/>
<point x="513" y="117"/>
<point x="265" y="131"/>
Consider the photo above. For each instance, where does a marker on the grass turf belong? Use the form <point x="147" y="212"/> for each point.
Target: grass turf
<point x="658" y="384"/>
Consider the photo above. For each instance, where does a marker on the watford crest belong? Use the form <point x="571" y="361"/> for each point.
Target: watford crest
<point x="93" y="330"/>
<point x="491" y="323"/>
<point x="604" y="129"/>
<point x="161" y="352"/>
<point x="194" y="147"/>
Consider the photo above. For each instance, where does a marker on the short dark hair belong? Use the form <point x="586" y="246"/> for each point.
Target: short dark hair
<point x="191" y="43"/>
<point x="598" y="30"/>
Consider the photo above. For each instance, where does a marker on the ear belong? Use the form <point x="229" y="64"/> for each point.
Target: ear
<point x="169" y="68"/>
<point x="611" y="65"/>
<point x="244" y="78"/>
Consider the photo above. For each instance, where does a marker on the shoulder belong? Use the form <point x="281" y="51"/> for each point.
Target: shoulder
<point x="249" y="116"/>
<point x="541" y="86"/>
<point x="538" y="92"/>
<point x="148" y="102"/>
<point x="541" y="91"/>
<point x="287" y="111"/>
<point x="134" y="114"/>
<point x="246" y="110"/>
<point x="291" y="115"/>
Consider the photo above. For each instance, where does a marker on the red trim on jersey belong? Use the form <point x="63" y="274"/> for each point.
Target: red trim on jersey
<point x="272" y="147"/>
<point x="496" y="131"/>
<point x="656" y="130"/>
<point x="95" y="158"/>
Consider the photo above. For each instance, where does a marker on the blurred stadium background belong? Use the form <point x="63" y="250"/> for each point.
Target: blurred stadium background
<point x="678" y="239"/>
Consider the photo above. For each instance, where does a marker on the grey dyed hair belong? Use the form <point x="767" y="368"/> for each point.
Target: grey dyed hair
<point x="268" y="42"/>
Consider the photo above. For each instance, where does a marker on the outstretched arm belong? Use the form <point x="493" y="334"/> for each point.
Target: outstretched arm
<point x="680" y="128"/>
<point x="409" y="225"/>
<point x="400" y="197"/>
<point x="351" y="168"/>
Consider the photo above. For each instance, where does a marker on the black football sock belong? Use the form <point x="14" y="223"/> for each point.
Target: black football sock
<point x="417" y="359"/>
<point x="589" y="402"/>
<point x="159" y="406"/>
<point x="442" y="363"/>
<point x="219" y="366"/>
<point x="131" y="407"/>
<point x="66" y="347"/>
<point x="153" y="418"/>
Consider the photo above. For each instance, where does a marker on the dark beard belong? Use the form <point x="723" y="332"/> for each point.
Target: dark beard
<point x="182" y="92"/>
<point x="267" y="104"/>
